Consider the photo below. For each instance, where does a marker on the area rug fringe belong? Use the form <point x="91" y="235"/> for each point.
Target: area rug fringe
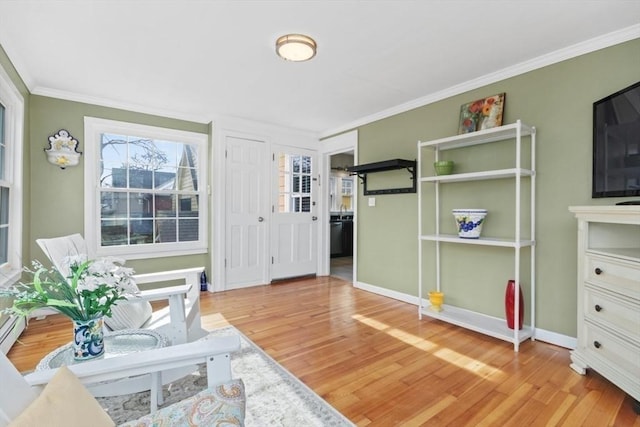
<point x="274" y="396"/>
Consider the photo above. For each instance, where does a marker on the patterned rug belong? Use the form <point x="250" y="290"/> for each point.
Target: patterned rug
<point x="274" y="396"/>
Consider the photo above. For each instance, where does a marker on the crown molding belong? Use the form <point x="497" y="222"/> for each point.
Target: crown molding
<point x="591" y="45"/>
<point x="104" y="102"/>
<point x="587" y="46"/>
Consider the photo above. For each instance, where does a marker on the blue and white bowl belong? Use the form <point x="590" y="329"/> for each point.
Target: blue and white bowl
<point x="469" y="222"/>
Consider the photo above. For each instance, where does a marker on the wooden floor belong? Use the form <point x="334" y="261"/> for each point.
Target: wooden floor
<point x="374" y="361"/>
<point x="342" y="267"/>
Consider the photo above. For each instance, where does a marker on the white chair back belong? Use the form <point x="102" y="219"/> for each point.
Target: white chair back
<point x="57" y="248"/>
<point x="15" y="393"/>
<point x="180" y="321"/>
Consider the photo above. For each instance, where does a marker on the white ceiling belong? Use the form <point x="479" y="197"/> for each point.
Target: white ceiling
<point x="201" y="60"/>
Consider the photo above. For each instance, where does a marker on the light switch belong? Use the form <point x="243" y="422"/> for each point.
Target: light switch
<point x="372" y="201"/>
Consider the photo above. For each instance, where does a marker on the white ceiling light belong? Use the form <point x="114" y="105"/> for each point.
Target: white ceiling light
<point x="296" y="47"/>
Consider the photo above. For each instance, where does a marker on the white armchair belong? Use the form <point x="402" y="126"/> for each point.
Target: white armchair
<point x="179" y="321"/>
<point x="18" y="394"/>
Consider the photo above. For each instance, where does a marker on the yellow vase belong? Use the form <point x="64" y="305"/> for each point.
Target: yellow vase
<point x="436" y="299"/>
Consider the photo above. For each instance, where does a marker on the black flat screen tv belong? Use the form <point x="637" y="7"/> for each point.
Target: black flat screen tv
<point x="616" y="144"/>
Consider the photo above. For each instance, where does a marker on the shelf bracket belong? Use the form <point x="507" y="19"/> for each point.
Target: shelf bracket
<point x="385" y="166"/>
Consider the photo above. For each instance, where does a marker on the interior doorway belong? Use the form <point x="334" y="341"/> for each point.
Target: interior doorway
<point x="341" y="215"/>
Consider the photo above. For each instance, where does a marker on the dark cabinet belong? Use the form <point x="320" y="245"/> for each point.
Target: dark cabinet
<point x="347" y="238"/>
<point x="341" y="237"/>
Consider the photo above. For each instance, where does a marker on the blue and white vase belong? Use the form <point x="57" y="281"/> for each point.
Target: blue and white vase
<point x="88" y="339"/>
<point x="469" y="222"/>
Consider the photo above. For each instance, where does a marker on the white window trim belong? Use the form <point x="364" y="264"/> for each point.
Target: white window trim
<point x="14" y="122"/>
<point x="93" y="129"/>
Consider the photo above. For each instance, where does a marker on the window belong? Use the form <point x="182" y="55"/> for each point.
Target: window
<point x="11" y="127"/>
<point x="294" y="183"/>
<point x="147" y="190"/>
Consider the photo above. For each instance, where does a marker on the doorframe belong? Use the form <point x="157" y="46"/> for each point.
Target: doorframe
<point x="345" y="142"/>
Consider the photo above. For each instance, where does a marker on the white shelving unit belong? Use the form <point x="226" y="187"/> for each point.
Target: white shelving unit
<point x="479" y="322"/>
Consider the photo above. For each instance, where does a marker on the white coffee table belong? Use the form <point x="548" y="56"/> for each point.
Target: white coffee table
<point x="116" y="343"/>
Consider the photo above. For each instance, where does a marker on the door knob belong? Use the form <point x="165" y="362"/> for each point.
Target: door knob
<point x="260" y="219"/>
<point x="314" y="218"/>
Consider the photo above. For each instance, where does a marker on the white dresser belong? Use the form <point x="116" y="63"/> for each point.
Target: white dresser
<point x="609" y="294"/>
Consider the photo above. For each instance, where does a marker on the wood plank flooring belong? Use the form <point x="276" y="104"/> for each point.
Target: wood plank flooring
<point x="373" y="360"/>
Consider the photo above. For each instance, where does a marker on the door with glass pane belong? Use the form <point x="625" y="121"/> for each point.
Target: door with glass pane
<point x="294" y="221"/>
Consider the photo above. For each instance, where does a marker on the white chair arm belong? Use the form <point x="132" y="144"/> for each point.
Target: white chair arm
<point x="162" y="276"/>
<point x="145" y="362"/>
<point x="162" y="293"/>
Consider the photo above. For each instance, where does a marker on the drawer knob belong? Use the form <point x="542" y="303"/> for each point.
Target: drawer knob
<point x="598" y="308"/>
<point x="598" y="270"/>
<point x="596" y="344"/>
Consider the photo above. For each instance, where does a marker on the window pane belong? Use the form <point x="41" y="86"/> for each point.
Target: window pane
<point x="113" y="205"/>
<point x="165" y="205"/>
<point x="2" y="161"/>
<point x="188" y="230"/>
<point x="141" y="231"/>
<point x="4" y="244"/>
<point x="113" y="232"/>
<point x="139" y="178"/>
<point x="187" y="179"/>
<point x="306" y="164"/>
<point x="306" y="204"/>
<point x="2" y="124"/>
<point x="140" y="205"/>
<point x="2" y="143"/>
<point x="306" y="184"/>
<point x="165" y="153"/>
<point x="294" y="181"/>
<point x="4" y="206"/>
<point x="165" y="179"/>
<point x="166" y="231"/>
<point x="188" y="206"/>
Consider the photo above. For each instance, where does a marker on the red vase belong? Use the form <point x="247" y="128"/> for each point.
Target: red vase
<point x="510" y="306"/>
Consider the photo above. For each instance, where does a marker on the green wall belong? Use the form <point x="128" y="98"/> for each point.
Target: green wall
<point x="557" y="100"/>
<point x="57" y="196"/>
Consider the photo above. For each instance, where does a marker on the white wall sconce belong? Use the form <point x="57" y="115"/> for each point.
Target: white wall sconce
<point x="63" y="150"/>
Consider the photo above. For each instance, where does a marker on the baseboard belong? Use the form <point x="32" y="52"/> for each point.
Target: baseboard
<point x="388" y="293"/>
<point x="556" y="339"/>
<point x="540" y="334"/>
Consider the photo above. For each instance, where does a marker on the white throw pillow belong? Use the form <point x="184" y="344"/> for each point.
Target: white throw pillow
<point x="128" y="315"/>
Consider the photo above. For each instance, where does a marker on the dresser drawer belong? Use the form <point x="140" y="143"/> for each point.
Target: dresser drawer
<point x="620" y="315"/>
<point x="615" y="274"/>
<point x="611" y="349"/>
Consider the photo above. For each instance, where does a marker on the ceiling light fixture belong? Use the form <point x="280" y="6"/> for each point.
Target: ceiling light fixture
<point x="296" y="47"/>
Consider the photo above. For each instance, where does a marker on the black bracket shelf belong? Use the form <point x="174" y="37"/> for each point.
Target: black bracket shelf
<point x="385" y="166"/>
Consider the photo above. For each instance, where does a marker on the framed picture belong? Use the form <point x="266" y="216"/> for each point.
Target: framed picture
<point x="481" y="114"/>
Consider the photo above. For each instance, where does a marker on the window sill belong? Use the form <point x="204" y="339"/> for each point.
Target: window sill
<point x="9" y="277"/>
<point x="130" y="253"/>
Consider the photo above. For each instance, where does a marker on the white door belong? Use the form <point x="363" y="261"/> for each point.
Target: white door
<point x="294" y="218"/>
<point x="247" y="209"/>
